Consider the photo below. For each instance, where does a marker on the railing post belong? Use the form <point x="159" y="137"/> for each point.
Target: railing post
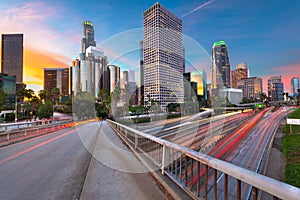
<point x="165" y="158"/>
<point x="136" y="141"/>
<point x="7" y="136"/>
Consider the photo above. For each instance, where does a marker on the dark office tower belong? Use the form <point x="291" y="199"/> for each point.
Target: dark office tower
<point x="294" y="86"/>
<point x="12" y="55"/>
<point x="220" y="66"/>
<point x="87" y="36"/>
<point x="57" y="78"/>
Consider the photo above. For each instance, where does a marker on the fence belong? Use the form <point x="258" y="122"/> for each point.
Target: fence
<point x="199" y="174"/>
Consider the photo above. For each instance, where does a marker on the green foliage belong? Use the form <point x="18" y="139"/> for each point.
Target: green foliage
<point x="295" y="128"/>
<point x="44" y="95"/>
<point x="10" y="117"/>
<point x="291" y="150"/>
<point x="45" y="110"/>
<point x="3" y="98"/>
<point x="172" y="116"/>
<point x="84" y="106"/>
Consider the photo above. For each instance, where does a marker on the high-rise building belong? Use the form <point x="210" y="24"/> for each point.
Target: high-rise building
<point x="8" y="85"/>
<point x="241" y="71"/>
<point x="92" y="72"/>
<point x="125" y="80"/>
<point x="252" y="87"/>
<point x="190" y="88"/>
<point x="162" y="57"/>
<point x="87" y="36"/>
<point x="197" y="81"/>
<point x="275" y="88"/>
<point x="114" y="75"/>
<point x="141" y="89"/>
<point x="12" y="55"/>
<point x="220" y="66"/>
<point x="57" y="78"/>
<point x="75" y="77"/>
<point x="294" y="86"/>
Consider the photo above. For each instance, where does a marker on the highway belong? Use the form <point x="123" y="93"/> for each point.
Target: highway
<point x="57" y="166"/>
<point x="248" y="152"/>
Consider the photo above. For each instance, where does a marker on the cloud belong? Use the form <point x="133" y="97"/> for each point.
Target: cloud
<point x="35" y="61"/>
<point x="287" y="72"/>
<point x="198" y="8"/>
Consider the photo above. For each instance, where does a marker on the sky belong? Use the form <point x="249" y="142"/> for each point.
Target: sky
<point x="264" y="34"/>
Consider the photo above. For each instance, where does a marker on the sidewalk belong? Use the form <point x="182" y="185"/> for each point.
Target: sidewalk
<point x="115" y="173"/>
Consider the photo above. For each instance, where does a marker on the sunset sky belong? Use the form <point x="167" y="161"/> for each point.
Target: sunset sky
<point x="264" y="34"/>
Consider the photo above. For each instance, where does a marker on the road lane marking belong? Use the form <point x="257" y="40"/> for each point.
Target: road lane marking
<point x="34" y="147"/>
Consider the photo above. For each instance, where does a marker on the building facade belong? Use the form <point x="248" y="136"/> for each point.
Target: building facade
<point x="275" y="88"/>
<point x="12" y="55"/>
<point x="57" y="78"/>
<point x="252" y="87"/>
<point x="88" y="38"/>
<point x="8" y="85"/>
<point x="114" y="77"/>
<point x="241" y="71"/>
<point x="162" y="57"/>
<point x="220" y="66"/>
<point x="294" y="86"/>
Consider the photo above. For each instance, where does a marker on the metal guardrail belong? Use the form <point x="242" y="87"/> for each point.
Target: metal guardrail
<point x="35" y="128"/>
<point x="191" y="170"/>
<point x="12" y="126"/>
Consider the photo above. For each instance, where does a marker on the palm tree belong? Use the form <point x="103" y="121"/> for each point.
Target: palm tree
<point x="29" y="93"/>
<point x="35" y="103"/>
<point x="44" y="95"/>
<point x="55" y="93"/>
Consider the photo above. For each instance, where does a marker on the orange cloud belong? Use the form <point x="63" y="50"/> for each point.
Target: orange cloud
<point x="287" y="72"/>
<point x="35" y="61"/>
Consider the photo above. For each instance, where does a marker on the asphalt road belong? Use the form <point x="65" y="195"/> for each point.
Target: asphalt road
<point x="60" y="166"/>
<point x="52" y="166"/>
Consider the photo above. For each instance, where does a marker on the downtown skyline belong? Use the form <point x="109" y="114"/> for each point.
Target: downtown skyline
<point x="268" y="43"/>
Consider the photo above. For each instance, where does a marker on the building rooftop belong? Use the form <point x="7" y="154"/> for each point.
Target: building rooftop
<point x="219" y="43"/>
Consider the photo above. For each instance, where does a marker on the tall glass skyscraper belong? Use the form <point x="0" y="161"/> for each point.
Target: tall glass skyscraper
<point x="162" y="57"/>
<point x="12" y="55"/>
<point x="87" y="36"/>
<point x="57" y="78"/>
<point x="220" y="66"/>
<point x="275" y="88"/>
<point x="294" y="86"/>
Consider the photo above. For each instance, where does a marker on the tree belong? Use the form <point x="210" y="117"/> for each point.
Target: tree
<point x="84" y="106"/>
<point x="3" y="98"/>
<point x="28" y="93"/>
<point x="35" y="102"/>
<point x="55" y="93"/>
<point x="44" y="95"/>
<point x="45" y="110"/>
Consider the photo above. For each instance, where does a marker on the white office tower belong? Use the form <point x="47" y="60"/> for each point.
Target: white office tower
<point x="92" y="71"/>
<point x="163" y="57"/>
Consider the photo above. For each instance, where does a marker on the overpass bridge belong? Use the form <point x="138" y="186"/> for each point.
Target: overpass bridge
<point x="191" y="170"/>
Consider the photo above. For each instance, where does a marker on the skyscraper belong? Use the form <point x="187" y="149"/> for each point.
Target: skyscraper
<point x="125" y="79"/>
<point x="87" y="36"/>
<point x="275" y="88"/>
<point x="114" y="74"/>
<point x="220" y="66"/>
<point x="57" y="78"/>
<point x="162" y="57"/>
<point x="12" y="55"/>
<point x="294" y="86"/>
<point x="8" y="85"/>
<point x="252" y="87"/>
<point x="241" y="71"/>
